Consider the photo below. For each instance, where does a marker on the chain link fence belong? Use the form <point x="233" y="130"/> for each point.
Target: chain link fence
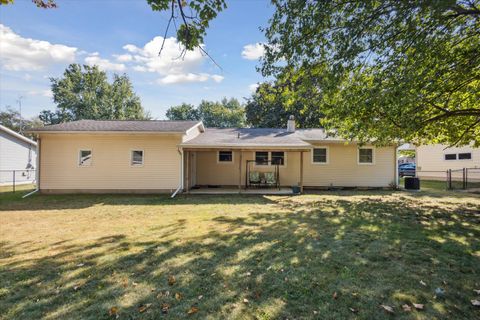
<point x="12" y="180"/>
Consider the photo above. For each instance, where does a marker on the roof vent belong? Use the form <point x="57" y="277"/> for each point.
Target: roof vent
<point x="291" y="124"/>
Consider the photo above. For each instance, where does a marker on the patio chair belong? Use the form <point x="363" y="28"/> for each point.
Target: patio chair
<point x="254" y="178"/>
<point x="270" y="179"/>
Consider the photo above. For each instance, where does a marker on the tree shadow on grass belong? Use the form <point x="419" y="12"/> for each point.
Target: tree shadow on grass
<point x="286" y="263"/>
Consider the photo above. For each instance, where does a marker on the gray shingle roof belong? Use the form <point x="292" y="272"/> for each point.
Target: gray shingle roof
<point x="120" y="126"/>
<point x="254" y="137"/>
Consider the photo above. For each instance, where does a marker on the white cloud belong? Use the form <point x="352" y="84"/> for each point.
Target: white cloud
<point x="104" y="64"/>
<point x="27" y="77"/>
<point x="123" y="57"/>
<point x="253" y="51"/>
<point x="18" y="53"/>
<point x="174" y="65"/>
<point x="189" y="77"/>
<point x="44" y="93"/>
<point x="253" y="87"/>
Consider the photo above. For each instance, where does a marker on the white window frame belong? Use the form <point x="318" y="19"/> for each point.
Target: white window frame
<point x="269" y="152"/>
<point x="458" y="156"/>
<point x="80" y="156"/>
<point x="225" y="162"/>
<point x="131" y="158"/>
<point x="327" y="159"/>
<point x="366" y="163"/>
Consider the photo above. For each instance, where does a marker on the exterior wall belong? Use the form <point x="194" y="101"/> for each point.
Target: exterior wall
<point x="342" y="169"/>
<point x="431" y="162"/>
<point x="110" y="169"/>
<point x="16" y="154"/>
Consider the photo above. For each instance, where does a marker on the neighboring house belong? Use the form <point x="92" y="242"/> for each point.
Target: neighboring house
<point x="433" y="161"/>
<point x="16" y="153"/>
<point x="163" y="156"/>
<point x="402" y="158"/>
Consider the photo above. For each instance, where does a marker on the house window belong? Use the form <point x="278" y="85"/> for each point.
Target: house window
<point x="225" y="156"/>
<point x="365" y="155"/>
<point x="261" y="158"/>
<point x="137" y="158"/>
<point x="278" y="157"/>
<point x="451" y="156"/>
<point x="85" y="158"/>
<point x="465" y="156"/>
<point x="320" y="155"/>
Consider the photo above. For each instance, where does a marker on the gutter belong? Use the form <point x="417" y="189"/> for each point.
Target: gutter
<point x="37" y="171"/>
<point x="180" y="187"/>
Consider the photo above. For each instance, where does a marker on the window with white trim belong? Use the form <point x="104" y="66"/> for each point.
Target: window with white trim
<point x="319" y="155"/>
<point x="225" y="156"/>
<point x="365" y="155"/>
<point x="137" y="158"/>
<point x="278" y="157"/>
<point x="261" y="158"/>
<point x="85" y="158"/>
<point x="465" y="156"/>
<point x="450" y="156"/>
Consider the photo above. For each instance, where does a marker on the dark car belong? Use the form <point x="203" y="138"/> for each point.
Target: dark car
<point x="407" y="170"/>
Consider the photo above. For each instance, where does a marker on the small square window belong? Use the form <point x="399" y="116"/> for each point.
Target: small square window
<point x="225" y="156"/>
<point x="137" y="158"/>
<point x="278" y="157"/>
<point x="85" y="158"/>
<point x="320" y="155"/>
<point x="451" y="156"/>
<point x="261" y="158"/>
<point x="465" y="156"/>
<point x="365" y="155"/>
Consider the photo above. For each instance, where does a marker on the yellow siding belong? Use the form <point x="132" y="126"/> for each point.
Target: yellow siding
<point x="342" y="169"/>
<point x="110" y="168"/>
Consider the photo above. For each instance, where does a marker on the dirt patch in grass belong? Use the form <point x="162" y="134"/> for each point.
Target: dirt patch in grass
<point x="334" y="255"/>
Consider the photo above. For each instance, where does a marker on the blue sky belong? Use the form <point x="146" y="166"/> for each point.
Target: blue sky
<point x="123" y="36"/>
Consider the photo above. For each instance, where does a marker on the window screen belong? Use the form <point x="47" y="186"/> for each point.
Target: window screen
<point x="137" y="157"/>
<point x="465" y="156"/>
<point x="451" y="156"/>
<point x="320" y="155"/>
<point x="261" y="158"/>
<point x="85" y="158"/>
<point x="225" y="156"/>
<point x="278" y="157"/>
<point x="365" y="155"/>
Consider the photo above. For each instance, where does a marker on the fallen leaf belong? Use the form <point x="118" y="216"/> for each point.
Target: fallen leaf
<point x="422" y="283"/>
<point x="387" y="308"/>
<point x="476" y="291"/>
<point x="171" y="280"/>
<point x="475" y="303"/>
<point x="335" y="296"/>
<point x="77" y="287"/>
<point x="178" y="296"/>
<point x="353" y="310"/>
<point x="134" y="284"/>
<point x="406" y="308"/>
<point x="144" y="307"/>
<point x="418" y="306"/>
<point x="200" y="297"/>
<point x="80" y="264"/>
<point x="192" y="310"/>
<point x="248" y="274"/>
<point x="245" y="300"/>
<point x="165" y="307"/>
<point x="113" y="312"/>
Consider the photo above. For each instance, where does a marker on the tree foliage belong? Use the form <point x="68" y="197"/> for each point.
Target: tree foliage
<point x="85" y="93"/>
<point x="12" y="119"/>
<point x="379" y="70"/>
<point x="227" y="113"/>
<point x="389" y="69"/>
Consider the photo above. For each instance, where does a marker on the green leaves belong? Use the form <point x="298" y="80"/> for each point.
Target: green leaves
<point x="85" y="93"/>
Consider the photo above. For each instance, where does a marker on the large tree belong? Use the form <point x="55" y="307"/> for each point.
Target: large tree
<point x="85" y="93"/>
<point x="226" y="113"/>
<point x="381" y="70"/>
<point x="11" y="118"/>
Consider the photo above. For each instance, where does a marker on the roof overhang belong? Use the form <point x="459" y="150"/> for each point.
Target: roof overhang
<point x="17" y="135"/>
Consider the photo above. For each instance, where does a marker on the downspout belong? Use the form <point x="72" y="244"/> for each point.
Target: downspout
<point x="396" y="167"/>
<point x="180" y="187"/>
<point x="37" y="171"/>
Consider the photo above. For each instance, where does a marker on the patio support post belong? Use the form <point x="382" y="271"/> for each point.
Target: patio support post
<point x="187" y="171"/>
<point x="240" y="170"/>
<point x="301" y="171"/>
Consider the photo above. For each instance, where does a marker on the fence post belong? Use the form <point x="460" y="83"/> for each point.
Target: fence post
<point x="465" y="182"/>
<point x="14" y="181"/>
<point x="449" y="179"/>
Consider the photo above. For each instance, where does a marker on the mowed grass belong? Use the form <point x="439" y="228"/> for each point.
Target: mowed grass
<point x="332" y="255"/>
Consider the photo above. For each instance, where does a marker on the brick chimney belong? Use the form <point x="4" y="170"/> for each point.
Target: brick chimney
<point x="291" y="124"/>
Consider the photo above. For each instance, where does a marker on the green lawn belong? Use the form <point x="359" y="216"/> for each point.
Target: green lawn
<point x="240" y="257"/>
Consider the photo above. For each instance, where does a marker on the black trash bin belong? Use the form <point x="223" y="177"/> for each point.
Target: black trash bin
<point x="412" y="183"/>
